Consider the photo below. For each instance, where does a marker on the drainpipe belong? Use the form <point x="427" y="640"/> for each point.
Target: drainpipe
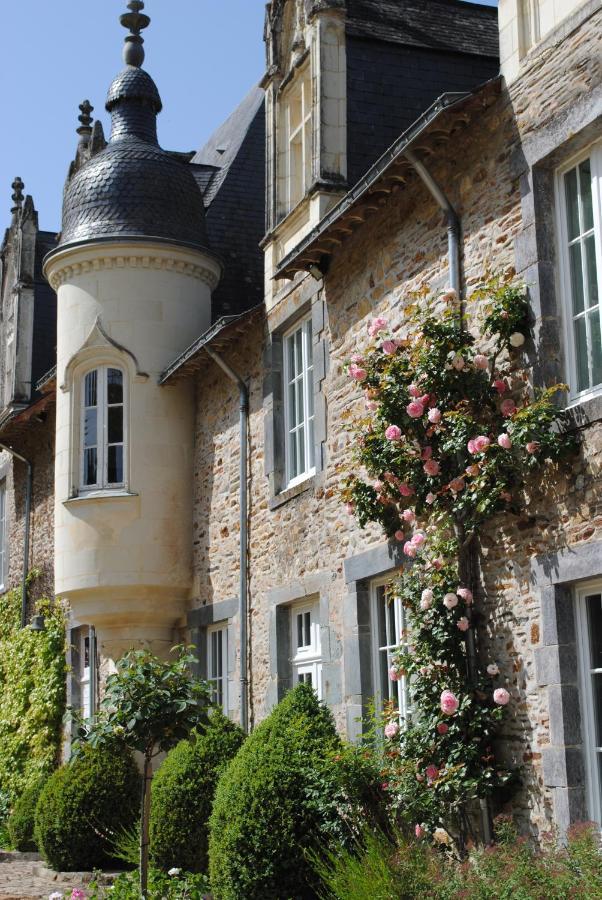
<point x="27" y="517"/>
<point x="243" y="584"/>
<point x="453" y="222"/>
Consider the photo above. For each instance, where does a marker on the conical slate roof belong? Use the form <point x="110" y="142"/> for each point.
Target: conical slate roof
<point x="133" y="190"/>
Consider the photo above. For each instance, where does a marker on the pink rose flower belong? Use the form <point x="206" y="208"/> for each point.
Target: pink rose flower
<point x="430" y="498"/>
<point x="415" y="409"/>
<point x="427" y="596"/>
<point x="533" y="447"/>
<point x="431" y="772"/>
<point x="391" y="730"/>
<point x="419" y="831"/>
<point x="449" y="702"/>
<point x="77" y="894"/>
<point x="393" y="433"/>
<point x="414" y="391"/>
<point x="431" y="467"/>
<point x="378" y="486"/>
<point x="437" y="564"/>
<point x="357" y="373"/>
<point x="448" y="295"/>
<point x="389" y="347"/>
<point x="418" y="539"/>
<point x="463" y="624"/>
<point x="399" y="536"/>
<point x="408" y="516"/>
<point x="465" y="594"/>
<point x="481" y="361"/>
<point x="500" y="386"/>
<point x="482" y="443"/>
<point x="508" y="407"/>
<point x="410" y="549"/>
<point x="376" y="326"/>
<point x="425" y="399"/>
<point x="434" y="415"/>
<point x="350" y="508"/>
<point x="472" y="446"/>
<point x="458" y="362"/>
<point x="504" y="441"/>
<point x="501" y="696"/>
<point x="424" y="605"/>
<point x="493" y="669"/>
<point x="405" y="490"/>
<point x="442" y="728"/>
<point x="427" y="452"/>
<point x="358" y="359"/>
<point x="372" y="405"/>
<point x="457" y="484"/>
<point x="394" y="674"/>
<point x="450" y="600"/>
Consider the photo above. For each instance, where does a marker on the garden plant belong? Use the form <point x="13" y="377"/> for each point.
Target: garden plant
<point x="451" y="433"/>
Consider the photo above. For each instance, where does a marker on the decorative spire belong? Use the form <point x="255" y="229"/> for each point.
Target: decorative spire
<point x="17" y="196"/>
<point x="136" y="21"/>
<point x="85" y="128"/>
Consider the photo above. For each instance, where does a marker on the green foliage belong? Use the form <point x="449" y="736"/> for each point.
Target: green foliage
<point x="149" y="705"/>
<point x="161" y="886"/>
<point x="84" y="804"/>
<point x="378" y="869"/>
<point x="291" y="788"/>
<point x="32" y="694"/>
<point x="21" y="821"/>
<point x="183" y="790"/>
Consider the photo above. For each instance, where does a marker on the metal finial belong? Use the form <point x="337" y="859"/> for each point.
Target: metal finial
<point x="17" y="196"/>
<point x="85" y="128"/>
<point x="136" y="21"/>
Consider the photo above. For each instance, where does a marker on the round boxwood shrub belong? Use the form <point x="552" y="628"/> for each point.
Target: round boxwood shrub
<point x="182" y="797"/>
<point x="84" y="805"/>
<point x="285" y="794"/>
<point x="22" y="818"/>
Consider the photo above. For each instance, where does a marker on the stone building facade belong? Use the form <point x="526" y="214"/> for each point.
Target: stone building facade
<point x="359" y="102"/>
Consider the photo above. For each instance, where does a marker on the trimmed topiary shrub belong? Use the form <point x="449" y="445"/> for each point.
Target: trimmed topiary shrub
<point x="84" y="805"/>
<point x="183" y="791"/>
<point x="22" y="819"/>
<point x="291" y="789"/>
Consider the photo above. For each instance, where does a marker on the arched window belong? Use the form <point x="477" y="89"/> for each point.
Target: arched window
<point x="102" y="457"/>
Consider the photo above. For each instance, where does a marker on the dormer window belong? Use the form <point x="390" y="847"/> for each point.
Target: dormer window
<point x="102" y="429"/>
<point x="297" y="111"/>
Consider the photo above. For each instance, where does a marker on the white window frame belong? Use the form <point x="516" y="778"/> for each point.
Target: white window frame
<point x="308" y="423"/>
<point x="594" y="153"/>
<point x="102" y="406"/>
<point x="307" y="659"/>
<point x="3" y="538"/>
<point x="84" y="671"/>
<point x="590" y="750"/>
<point x="301" y="92"/>
<point x="398" y="691"/>
<point x="214" y="676"/>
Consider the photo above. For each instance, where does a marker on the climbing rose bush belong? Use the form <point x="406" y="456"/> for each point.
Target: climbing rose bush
<point x="451" y="432"/>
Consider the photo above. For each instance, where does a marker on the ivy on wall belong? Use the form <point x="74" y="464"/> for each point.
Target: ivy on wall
<point x="32" y="694"/>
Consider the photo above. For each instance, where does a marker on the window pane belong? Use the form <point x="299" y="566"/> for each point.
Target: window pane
<point x="115" y="430"/>
<point x="581" y="354"/>
<point x="300" y="630"/>
<point x="585" y="179"/>
<point x="597" y="697"/>
<point x="292" y="405"/>
<point x="114" y="386"/>
<point x="594" y="627"/>
<point x="596" y="339"/>
<point x="90" y="389"/>
<point x="90" y="427"/>
<point x="301" y="450"/>
<point x="290" y="349"/>
<point x="298" y="336"/>
<point x="299" y="401"/>
<point x="310" y="393"/>
<point x="115" y="465"/>
<point x="576" y="278"/>
<point x="592" y="273"/>
<point x="307" y="623"/>
<point x="90" y="462"/>
<point x="381" y="625"/>
<point x="572" y="203"/>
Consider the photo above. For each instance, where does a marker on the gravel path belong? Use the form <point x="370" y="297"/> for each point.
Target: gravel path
<point x="23" y="876"/>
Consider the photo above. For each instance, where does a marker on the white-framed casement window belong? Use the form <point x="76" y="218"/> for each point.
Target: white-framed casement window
<point x="589" y="632"/>
<point x="299" y="403"/>
<point x="579" y="199"/>
<point x="388" y="635"/>
<point x="305" y="643"/>
<point x="217" y="664"/>
<point x="3" y="538"/>
<point x="103" y="429"/>
<point x="298" y="137"/>
<point x="84" y="671"/>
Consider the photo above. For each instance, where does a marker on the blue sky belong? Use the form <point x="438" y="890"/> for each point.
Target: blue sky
<point x="203" y="54"/>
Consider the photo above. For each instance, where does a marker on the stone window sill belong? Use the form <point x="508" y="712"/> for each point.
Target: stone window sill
<point x="100" y="495"/>
<point x="585" y="412"/>
<point x="292" y="492"/>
